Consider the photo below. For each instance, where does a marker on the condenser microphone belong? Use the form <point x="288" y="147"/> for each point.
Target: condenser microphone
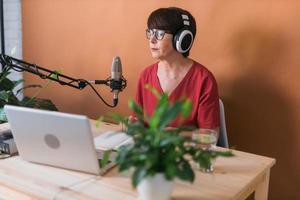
<point x="116" y="81"/>
<point x="116" y="78"/>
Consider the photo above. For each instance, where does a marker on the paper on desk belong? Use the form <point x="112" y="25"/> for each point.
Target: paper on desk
<point x="111" y="140"/>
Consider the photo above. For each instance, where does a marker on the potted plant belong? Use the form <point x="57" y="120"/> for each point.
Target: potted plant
<point x="159" y="154"/>
<point x="8" y="96"/>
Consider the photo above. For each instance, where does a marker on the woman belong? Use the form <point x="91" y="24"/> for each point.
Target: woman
<point x="171" y="32"/>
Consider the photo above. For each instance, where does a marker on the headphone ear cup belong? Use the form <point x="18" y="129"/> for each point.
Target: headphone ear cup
<point x="183" y="40"/>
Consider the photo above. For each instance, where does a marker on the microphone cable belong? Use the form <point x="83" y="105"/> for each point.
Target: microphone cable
<point x="97" y="93"/>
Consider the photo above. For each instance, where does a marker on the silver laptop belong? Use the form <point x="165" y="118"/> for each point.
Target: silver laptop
<point x="54" y="138"/>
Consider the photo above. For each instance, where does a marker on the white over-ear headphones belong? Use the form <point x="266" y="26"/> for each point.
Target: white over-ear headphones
<point x="183" y="39"/>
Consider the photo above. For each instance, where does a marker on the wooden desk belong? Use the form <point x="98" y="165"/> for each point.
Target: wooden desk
<point x="233" y="178"/>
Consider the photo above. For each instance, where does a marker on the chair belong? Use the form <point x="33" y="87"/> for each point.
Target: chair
<point x="223" y="140"/>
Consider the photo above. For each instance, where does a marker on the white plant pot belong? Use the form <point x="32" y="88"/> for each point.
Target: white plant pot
<point x="155" y="188"/>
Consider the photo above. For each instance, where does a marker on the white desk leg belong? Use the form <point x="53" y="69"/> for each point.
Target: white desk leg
<point x="262" y="189"/>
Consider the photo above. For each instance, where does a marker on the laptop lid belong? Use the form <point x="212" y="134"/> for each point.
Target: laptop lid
<point x="53" y="138"/>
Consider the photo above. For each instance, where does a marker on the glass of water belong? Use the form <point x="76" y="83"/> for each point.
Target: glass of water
<point x="206" y="140"/>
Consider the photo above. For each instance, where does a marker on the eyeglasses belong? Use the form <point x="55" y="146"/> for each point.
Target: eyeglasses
<point x="158" y="34"/>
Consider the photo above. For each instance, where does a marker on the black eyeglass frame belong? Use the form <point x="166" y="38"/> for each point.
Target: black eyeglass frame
<point x="155" y="32"/>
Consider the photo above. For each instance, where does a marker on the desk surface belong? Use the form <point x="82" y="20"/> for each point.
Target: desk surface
<point x="233" y="178"/>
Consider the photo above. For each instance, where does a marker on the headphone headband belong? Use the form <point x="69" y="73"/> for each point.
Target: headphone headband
<point x="183" y="38"/>
<point x="185" y="19"/>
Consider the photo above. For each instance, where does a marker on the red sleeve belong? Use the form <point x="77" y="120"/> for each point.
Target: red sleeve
<point x="208" y="110"/>
<point x="139" y="92"/>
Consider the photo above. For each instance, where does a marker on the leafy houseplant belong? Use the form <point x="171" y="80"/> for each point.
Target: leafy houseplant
<point x="7" y="96"/>
<point x="158" y="150"/>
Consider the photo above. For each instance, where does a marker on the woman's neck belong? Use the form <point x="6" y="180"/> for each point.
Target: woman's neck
<point x="175" y="65"/>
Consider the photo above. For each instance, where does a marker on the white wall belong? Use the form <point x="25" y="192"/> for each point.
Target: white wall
<point x="13" y="32"/>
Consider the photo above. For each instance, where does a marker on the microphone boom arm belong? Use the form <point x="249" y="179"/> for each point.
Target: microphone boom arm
<point x="18" y="65"/>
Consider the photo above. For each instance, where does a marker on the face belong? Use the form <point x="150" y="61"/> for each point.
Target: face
<point x="160" y="43"/>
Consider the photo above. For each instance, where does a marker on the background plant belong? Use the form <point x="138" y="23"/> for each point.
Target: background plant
<point x="159" y="149"/>
<point x="8" y="96"/>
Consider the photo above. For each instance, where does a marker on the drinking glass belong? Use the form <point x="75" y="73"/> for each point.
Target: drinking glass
<point x="206" y="139"/>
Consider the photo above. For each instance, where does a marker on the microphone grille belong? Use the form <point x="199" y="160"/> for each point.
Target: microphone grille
<point x="116" y="64"/>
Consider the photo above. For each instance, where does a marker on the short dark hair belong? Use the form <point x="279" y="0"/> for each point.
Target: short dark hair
<point x="170" y="19"/>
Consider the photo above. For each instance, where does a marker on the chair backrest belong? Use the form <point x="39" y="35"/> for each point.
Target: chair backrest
<point x="223" y="140"/>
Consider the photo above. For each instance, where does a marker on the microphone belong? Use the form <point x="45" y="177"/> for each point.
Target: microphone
<point x="116" y="78"/>
<point x="116" y="81"/>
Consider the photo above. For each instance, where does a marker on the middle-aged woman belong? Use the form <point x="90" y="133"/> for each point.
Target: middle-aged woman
<point x="171" y="32"/>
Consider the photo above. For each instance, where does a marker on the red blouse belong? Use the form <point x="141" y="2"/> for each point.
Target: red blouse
<point x="199" y="85"/>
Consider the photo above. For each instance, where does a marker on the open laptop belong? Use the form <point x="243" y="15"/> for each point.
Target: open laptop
<point x="55" y="139"/>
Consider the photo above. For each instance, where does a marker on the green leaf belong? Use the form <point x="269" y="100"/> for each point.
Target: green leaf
<point x="2" y="103"/>
<point x="136" y="108"/>
<point x="119" y="118"/>
<point x="170" y="114"/>
<point x="8" y="97"/>
<point x="224" y="153"/>
<point x="3" y="75"/>
<point x="105" y="160"/>
<point x="28" y="102"/>
<point x="12" y="99"/>
<point x="160" y="110"/>
<point x="56" y="74"/>
<point x="186" y="108"/>
<point x="185" y="172"/>
<point x="4" y="95"/>
<point x="124" y="158"/>
<point x="138" y="175"/>
<point x="45" y="104"/>
<point x="168" y="139"/>
<point x="34" y="102"/>
<point x="171" y="171"/>
<point x="6" y="84"/>
<point x="153" y="90"/>
<point x="99" y="121"/>
<point x="204" y="159"/>
<point x="2" y="115"/>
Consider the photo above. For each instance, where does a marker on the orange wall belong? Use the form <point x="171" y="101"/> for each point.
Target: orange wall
<point x="252" y="47"/>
